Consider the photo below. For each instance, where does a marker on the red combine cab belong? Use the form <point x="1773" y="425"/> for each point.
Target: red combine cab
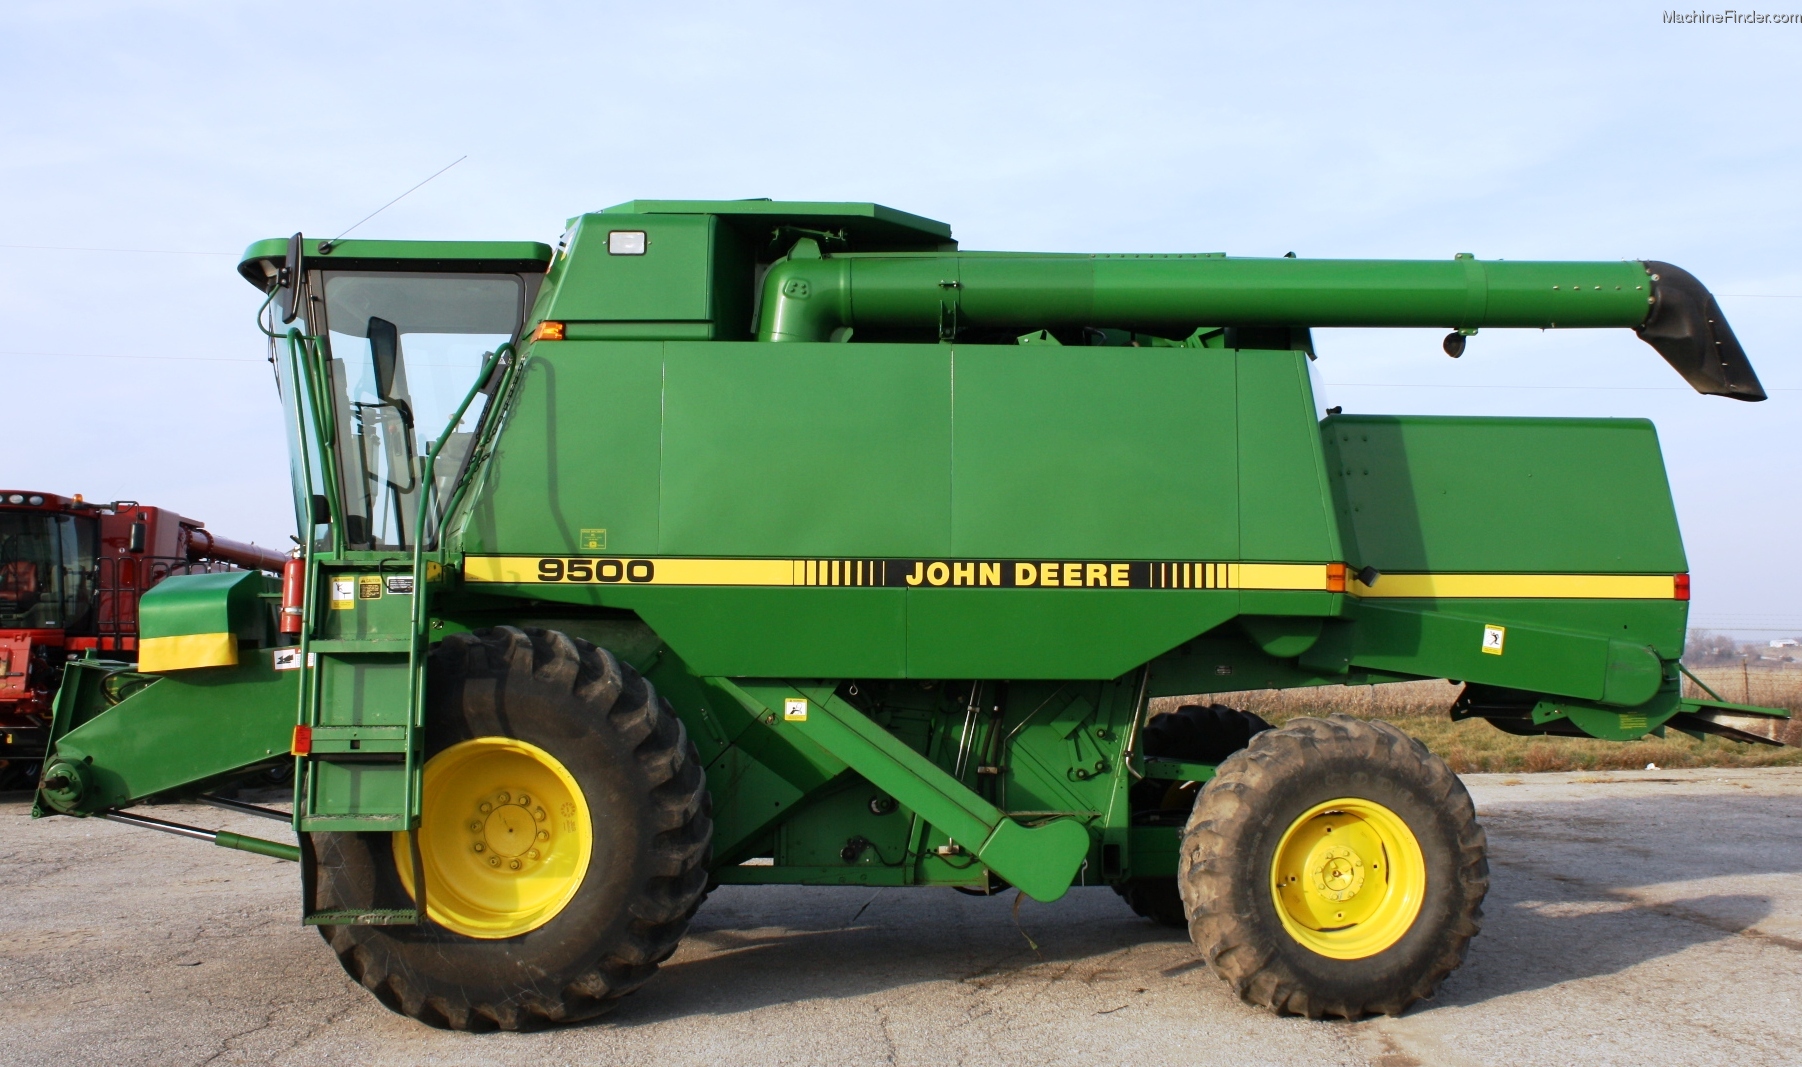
<point x="71" y="573"/>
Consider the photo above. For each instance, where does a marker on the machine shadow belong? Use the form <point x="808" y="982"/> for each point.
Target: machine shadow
<point x="746" y="956"/>
<point x="1568" y="897"/>
<point x="1533" y="945"/>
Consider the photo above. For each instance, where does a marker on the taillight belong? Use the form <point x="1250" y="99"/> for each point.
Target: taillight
<point x="294" y="587"/>
<point x="303" y="741"/>
<point x="1680" y="586"/>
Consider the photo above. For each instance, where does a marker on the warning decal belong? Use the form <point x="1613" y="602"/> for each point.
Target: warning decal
<point x="1493" y="637"/>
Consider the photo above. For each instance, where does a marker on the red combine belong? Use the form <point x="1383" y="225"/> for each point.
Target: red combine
<point x="71" y="573"/>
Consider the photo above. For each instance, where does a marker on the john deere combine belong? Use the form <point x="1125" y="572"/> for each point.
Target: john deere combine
<point x="748" y="542"/>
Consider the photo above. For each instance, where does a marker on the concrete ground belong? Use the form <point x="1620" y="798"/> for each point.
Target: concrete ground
<point x="1634" y="917"/>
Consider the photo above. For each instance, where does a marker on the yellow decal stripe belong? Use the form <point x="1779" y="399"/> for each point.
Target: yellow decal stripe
<point x="1015" y="574"/>
<point x="158" y="654"/>
<point x="1277" y="575"/>
<point x="1521" y="586"/>
<point x="724" y="572"/>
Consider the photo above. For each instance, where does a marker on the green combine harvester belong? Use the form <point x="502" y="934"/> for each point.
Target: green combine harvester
<point x="751" y="542"/>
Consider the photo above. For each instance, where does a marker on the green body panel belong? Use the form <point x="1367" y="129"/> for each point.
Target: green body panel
<point x="1285" y="505"/>
<point x="908" y="451"/>
<point x="1524" y="495"/>
<point x="683" y="282"/>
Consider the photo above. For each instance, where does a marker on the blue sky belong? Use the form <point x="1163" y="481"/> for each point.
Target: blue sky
<point x="1539" y="131"/>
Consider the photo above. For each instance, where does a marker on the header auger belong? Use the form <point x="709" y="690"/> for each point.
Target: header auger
<point x="750" y="542"/>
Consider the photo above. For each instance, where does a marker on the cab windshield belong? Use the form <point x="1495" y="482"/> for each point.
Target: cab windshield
<point x="405" y="349"/>
<point x="46" y="570"/>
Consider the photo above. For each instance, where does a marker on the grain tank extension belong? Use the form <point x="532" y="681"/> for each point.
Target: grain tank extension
<point x="748" y="542"/>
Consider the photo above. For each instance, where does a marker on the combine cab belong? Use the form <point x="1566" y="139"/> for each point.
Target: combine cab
<point x="784" y="543"/>
<point x="71" y="573"/>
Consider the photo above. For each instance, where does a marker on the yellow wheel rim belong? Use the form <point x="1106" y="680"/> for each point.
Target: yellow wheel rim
<point x="1348" y="878"/>
<point x="504" y="838"/>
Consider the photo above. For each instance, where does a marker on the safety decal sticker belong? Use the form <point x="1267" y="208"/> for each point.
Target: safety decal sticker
<point x="344" y="594"/>
<point x="369" y="587"/>
<point x="1493" y="636"/>
<point x="288" y="659"/>
<point x="794" y="709"/>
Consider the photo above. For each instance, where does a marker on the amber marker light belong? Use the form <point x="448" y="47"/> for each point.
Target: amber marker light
<point x="548" y="331"/>
<point x="1335" y="577"/>
<point x="1680" y="587"/>
<point x="303" y="742"/>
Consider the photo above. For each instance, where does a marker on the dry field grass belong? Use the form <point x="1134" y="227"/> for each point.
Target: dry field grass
<point x="1421" y="709"/>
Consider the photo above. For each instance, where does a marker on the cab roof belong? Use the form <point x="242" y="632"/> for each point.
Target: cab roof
<point x="263" y="259"/>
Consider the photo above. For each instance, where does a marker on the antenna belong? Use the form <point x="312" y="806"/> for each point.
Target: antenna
<point x="325" y="247"/>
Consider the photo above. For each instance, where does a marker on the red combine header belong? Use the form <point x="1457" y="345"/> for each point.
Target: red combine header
<point x="71" y="573"/>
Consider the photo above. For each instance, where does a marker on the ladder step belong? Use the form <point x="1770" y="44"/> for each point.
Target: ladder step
<point x="338" y="740"/>
<point x="364" y="917"/>
<point x="354" y="824"/>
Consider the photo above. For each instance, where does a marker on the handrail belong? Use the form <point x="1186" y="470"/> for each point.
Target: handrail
<point x="418" y="619"/>
<point x="484" y="443"/>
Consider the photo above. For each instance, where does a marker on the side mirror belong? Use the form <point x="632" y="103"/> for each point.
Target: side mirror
<point x="287" y="296"/>
<point x="384" y="353"/>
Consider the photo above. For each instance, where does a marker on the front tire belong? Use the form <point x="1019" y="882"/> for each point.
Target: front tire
<point x="551" y="904"/>
<point x="1334" y="867"/>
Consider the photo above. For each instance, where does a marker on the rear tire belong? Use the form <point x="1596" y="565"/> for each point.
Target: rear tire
<point x="1262" y="878"/>
<point x="648" y="842"/>
<point x="1201" y="734"/>
<point x="1195" y="734"/>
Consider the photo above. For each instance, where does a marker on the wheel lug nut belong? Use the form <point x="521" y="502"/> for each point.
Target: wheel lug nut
<point x="475" y="827"/>
<point x="538" y="814"/>
<point x="524" y="800"/>
<point x="494" y="861"/>
<point x="485" y="807"/>
<point x="531" y="854"/>
<point x="501" y="797"/>
<point x="514" y="864"/>
<point x="544" y="835"/>
<point x="479" y="847"/>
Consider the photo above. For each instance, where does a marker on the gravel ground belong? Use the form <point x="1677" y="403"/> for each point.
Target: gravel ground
<point x="1634" y="916"/>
